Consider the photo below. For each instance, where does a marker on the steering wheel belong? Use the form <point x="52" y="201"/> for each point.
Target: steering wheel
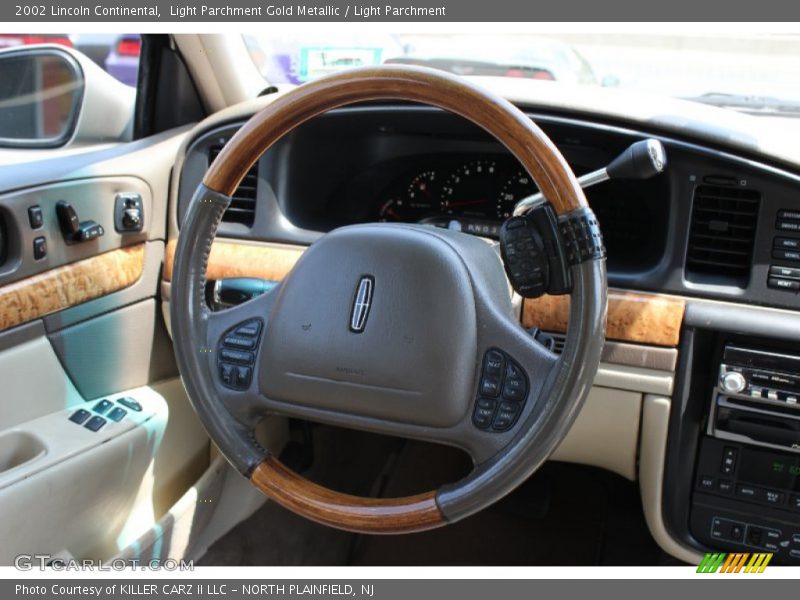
<point x="406" y="330"/>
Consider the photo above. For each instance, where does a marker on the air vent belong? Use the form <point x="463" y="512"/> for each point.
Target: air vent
<point x="722" y="234"/>
<point x="243" y="202"/>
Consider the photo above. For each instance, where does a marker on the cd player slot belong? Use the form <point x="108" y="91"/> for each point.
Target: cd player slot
<point x="760" y="427"/>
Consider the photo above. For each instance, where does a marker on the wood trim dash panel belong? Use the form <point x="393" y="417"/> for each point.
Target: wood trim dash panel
<point x="632" y="316"/>
<point x="69" y="285"/>
<point x="230" y="259"/>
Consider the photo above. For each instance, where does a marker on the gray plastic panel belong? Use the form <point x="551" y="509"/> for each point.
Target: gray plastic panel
<point x="93" y="199"/>
<point x="120" y="350"/>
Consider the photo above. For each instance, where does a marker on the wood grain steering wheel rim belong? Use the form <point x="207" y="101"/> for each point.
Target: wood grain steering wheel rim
<point x="498" y="117"/>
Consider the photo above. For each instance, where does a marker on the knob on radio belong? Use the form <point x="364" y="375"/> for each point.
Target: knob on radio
<point x="733" y="382"/>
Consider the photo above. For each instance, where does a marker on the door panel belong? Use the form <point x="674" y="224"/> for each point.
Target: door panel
<point x="77" y="326"/>
<point x="34" y="384"/>
<point x="120" y="350"/>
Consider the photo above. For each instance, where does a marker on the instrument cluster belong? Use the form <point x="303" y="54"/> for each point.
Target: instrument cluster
<point x="474" y="195"/>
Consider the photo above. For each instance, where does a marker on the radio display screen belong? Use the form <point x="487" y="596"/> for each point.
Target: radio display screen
<point x="769" y="469"/>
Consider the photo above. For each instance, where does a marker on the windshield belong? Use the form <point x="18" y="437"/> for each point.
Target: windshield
<point x="753" y="73"/>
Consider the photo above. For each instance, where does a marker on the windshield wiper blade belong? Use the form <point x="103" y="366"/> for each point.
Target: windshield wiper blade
<point x="752" y="104"/>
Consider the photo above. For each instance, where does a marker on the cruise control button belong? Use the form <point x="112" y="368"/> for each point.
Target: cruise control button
<point x="490" y="386"/>
<point x="226" y="374"/>
<point x="243" y="375"/>
<point x="250" y="329"/>
<point x="236" y="356"/>
<point x="243" y="343"/>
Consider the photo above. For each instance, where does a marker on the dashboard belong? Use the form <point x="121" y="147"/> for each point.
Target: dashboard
<point x="718" y="232"/>
<point x="707" y="227"/>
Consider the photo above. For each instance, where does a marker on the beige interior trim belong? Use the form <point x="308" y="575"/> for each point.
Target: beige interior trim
<point x="221" y="68"/>
<point x="648" y="381"/>
<point x="655" y="426"/>
<point x="606" y="432"/>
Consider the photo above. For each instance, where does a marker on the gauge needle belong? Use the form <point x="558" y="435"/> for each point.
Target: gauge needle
<point x="464" y="203"/>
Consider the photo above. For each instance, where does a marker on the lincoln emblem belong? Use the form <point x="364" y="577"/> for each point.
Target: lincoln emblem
<point x="362" y="302"/>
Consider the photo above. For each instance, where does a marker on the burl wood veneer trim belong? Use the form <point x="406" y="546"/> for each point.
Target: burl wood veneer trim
<point x="632" y="317"/>
<point x="229" y="259"/>
<point x="72" y="284"/>
<point x="352" y="513"/>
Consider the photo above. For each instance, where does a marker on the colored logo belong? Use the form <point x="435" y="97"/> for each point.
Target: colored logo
<point x="720" y="562"/>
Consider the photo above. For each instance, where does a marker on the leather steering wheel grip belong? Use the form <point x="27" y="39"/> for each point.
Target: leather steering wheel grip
<point x="190" y="315"/>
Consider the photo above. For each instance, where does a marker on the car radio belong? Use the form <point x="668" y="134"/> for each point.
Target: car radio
<point x="757" y="399"/>
<point x="746" y="491"/>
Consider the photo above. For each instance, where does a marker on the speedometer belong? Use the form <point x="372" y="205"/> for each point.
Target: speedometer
<point x="470" y="190"/>
<point x="514" y="189"/>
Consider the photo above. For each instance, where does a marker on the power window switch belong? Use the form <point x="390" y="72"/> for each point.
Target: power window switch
<point x="102" y="407"/>
<point x="117" y="414"/>
<point x="95" y="423"/>
<point x="130" y="403"/>
<point x="80" y="416"/>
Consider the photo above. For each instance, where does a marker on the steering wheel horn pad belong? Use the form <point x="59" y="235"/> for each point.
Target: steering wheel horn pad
<point x="384" y="327"/>
<point x="412" y="361"/>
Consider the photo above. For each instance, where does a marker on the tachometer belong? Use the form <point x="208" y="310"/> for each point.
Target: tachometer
<point x="470" y="190"/>
<point x="421" y="199"/>
<point x="514" y="189"/>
